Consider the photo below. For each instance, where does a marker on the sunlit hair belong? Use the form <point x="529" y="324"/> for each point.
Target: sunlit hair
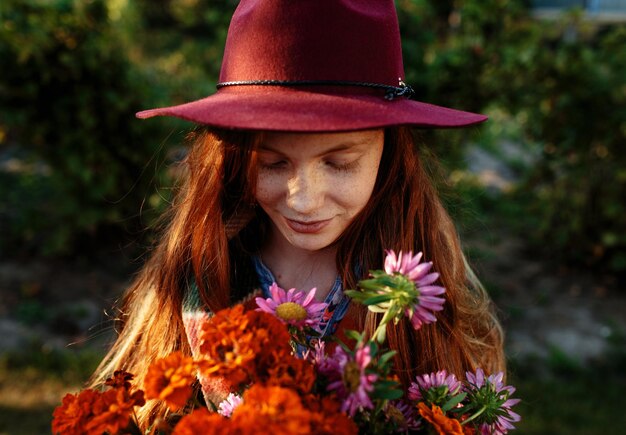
<point x="214" y="226"/>
<point x="405" y="213"/>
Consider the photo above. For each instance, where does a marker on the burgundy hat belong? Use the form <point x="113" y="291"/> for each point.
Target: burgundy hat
<point x="313" y="66"/>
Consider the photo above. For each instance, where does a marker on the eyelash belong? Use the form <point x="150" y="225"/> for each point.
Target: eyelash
<point x="345" y="167"/>
<point x="278" y="166"/>
<point x="281" y="165"/>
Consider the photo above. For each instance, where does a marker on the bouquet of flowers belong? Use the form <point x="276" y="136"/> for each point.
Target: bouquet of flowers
<point x="284" y="378"/>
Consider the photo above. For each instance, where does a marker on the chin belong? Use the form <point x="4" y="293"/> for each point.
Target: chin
<point x="310" y="242"/>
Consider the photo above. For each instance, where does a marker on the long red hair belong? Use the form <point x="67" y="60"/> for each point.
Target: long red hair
<point x="213" y="225"/>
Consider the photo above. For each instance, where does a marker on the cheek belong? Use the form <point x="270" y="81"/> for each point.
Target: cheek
<point x="355" y="193"/>
<point x="365" y="186"/>
<point x="268" y="189"/>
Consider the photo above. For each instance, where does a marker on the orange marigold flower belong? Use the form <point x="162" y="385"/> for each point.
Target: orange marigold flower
<point x="120" y="379"/>
<point x="225" y="323"/>
<point x="278" y="410"/>
<point x="201" y="421"/>
<point x="333" y="424"/>
<point x="439" y="421"/>
<point x="113" y="410"/>
<point x="287" y="371"/>
<point x="237" y="345"/>
<point x="272" y="334"/>
<point x="228" y="346"/>
<point x="74" y="412"/>
<point x="327" y="418"/>
<point x="170" y="379"/>
<point x="274" y="341"/>
<point x="232" y="358"/>
<point x="322" y="404"/>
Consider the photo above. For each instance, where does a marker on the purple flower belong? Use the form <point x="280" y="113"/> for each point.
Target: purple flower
<point x="428" y="299"/>
<point x="228" y="405"/>
<point x="293" y="307"/>
<point x="404" y="415"/>
<point x="434" y="387"/>
<point x="491" y="393"/>
<point x="349" y="380"/>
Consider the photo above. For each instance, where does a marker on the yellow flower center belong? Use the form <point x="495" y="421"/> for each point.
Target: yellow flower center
<point x="291" y="311"/>
<point x="352" y="376"/>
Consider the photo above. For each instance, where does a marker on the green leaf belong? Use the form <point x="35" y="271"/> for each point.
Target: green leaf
<point x="386" y="357"/>
<point x="356" y="295"/>
<point x="354" y="335"/>
<point x="388" y="281"/>
<point x="370" y="284"/>
<point x="387" y="394"/>
<point x="377" y="299"/>
<point x="373" y="348"/>
<point x="455" y="400"/>
<point x="386" y="384"/>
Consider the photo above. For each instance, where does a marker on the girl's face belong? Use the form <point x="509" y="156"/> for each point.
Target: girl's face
<point x="312" y="185"/>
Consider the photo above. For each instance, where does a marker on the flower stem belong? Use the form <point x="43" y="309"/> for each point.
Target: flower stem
<point x="475" y="415"/>
<point x="381" y="325"/>
<point x="375" y="334"/>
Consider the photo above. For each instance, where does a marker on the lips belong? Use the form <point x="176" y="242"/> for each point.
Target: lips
<point x="307" y="227"/>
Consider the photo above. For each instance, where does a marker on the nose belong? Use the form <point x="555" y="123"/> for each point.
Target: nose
<point x="305" y="192"/>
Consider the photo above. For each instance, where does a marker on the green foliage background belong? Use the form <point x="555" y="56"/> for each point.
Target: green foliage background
<point x="75" y="72"/>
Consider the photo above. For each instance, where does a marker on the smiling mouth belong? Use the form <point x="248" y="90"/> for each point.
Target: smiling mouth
<point x="307" y="227"/>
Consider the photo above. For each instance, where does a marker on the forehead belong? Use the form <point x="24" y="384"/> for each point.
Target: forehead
<point x="321" y="143"/>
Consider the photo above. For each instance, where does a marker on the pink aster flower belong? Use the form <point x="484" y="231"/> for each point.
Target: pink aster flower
<point x="293" y="307"/>
<point x="349" y="380"/>
<point x="443" y="383"/>
<point x="428" y="300"/>
<point x="490" y="392"/>
<point x="316" y="354"/>
<point x="228" y="405"/>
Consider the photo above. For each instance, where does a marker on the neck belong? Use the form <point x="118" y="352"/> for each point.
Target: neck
<point x="300" y="268"/>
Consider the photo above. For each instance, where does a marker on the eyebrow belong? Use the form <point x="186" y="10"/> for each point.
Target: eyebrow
<point x="338" y="148"/>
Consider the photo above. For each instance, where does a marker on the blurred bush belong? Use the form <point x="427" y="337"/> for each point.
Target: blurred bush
<point x="575" y="108"/>
<point x="68" y="93"/>
<point x="564" y="82"/>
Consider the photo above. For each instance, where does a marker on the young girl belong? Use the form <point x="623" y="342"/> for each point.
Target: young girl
<point x="303" y="173"/>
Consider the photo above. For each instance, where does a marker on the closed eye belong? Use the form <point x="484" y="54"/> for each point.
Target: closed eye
<point x="343" y="167"/>
<point x="276" y="165"/>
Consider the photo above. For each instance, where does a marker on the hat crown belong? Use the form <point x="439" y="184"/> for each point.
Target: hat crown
<point x="304" y="40"/>
<point x="314" y="66"/>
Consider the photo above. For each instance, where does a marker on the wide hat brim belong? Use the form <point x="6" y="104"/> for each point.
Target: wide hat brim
<point x="278" y="108"/>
